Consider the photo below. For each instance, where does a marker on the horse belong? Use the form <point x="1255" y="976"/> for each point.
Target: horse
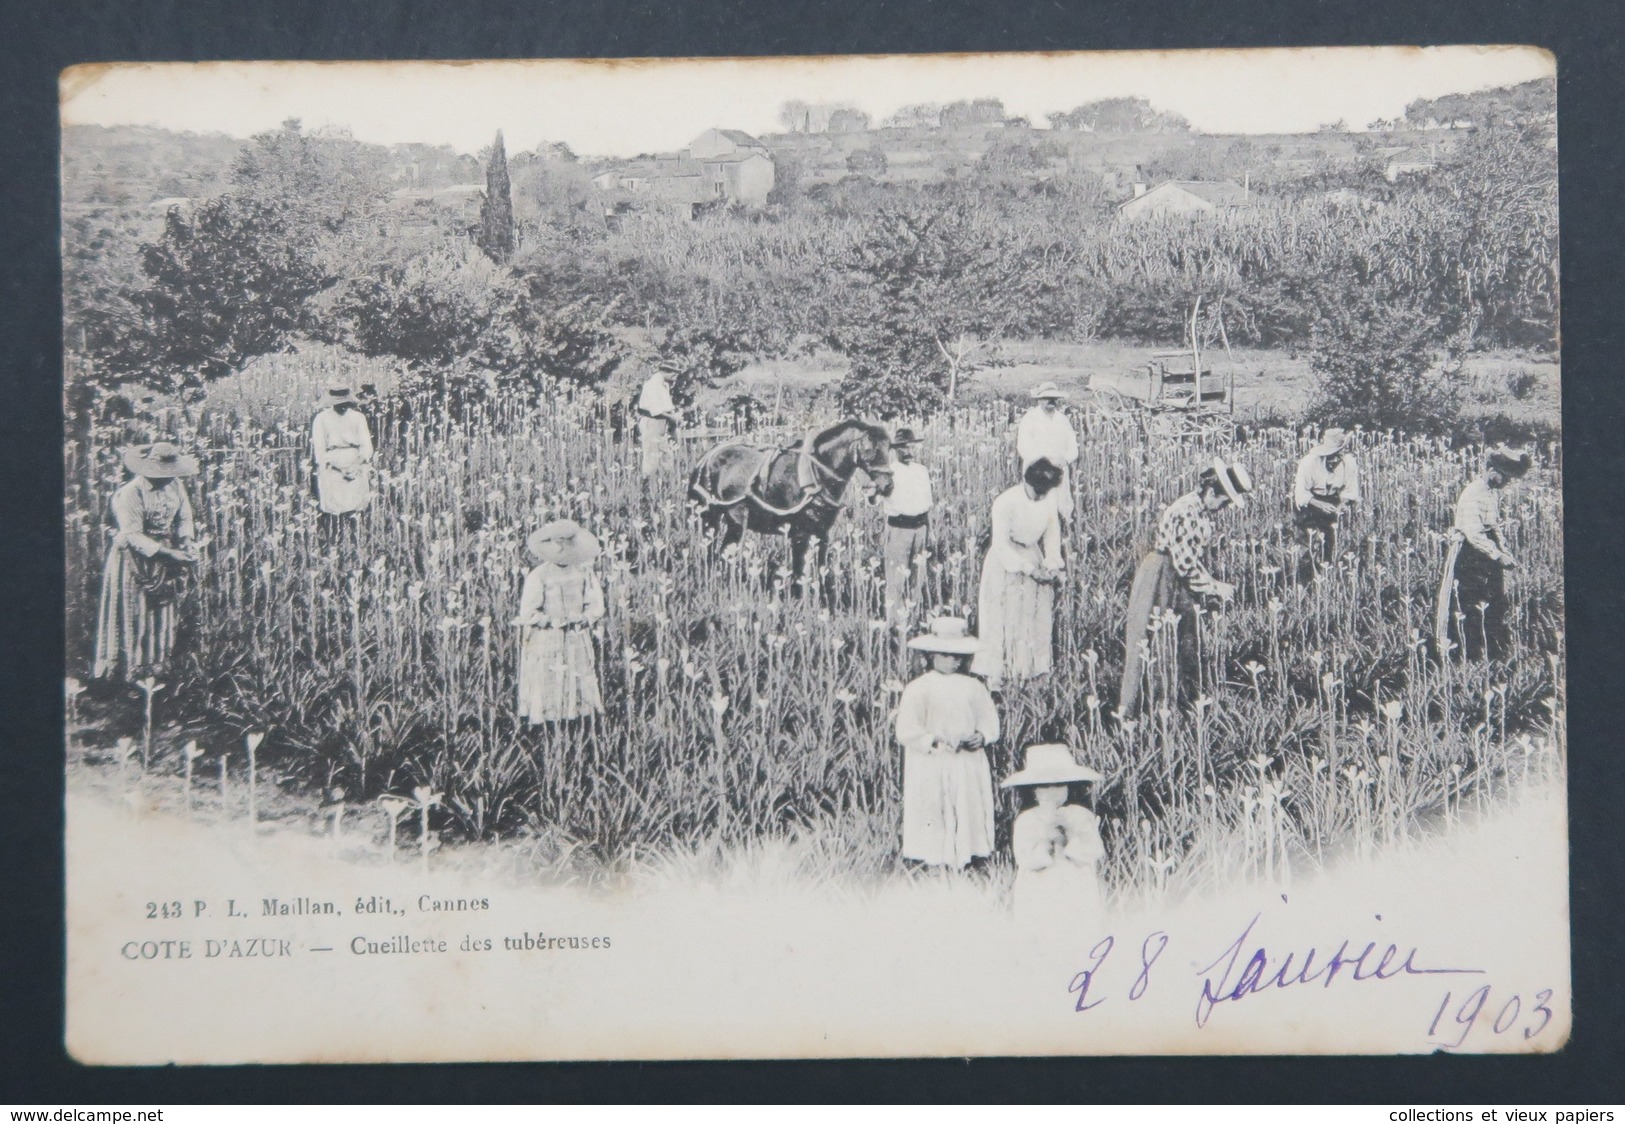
<point x="796" y="492"/>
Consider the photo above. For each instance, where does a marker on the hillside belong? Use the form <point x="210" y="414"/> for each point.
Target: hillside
<point x="926" y="154"/>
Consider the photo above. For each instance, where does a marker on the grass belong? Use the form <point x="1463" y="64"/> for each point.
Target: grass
<point x="742" y="717"/>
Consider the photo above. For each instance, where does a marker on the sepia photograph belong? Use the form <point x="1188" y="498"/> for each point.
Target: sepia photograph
<point x="872" y="556"/>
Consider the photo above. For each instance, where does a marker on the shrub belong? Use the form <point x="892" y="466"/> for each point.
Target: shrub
<point x="1377" y="363"/>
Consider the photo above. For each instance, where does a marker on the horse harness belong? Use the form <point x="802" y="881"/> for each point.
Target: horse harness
<point x="808" y="470"/>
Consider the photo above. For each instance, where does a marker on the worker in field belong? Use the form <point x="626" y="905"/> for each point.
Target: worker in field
<point x="341" y="451"/>
<point x="1470" y="611"/>
<point x="1015" y="602"/>
<point x="1045" y="433"/>
<point x="657" y="420"/>
<point x="1173" y="579"/>
<point x="945" y="722"/>
<point x="559" y="604"/>
<point x="1056" y="846"/>
<point x="1326" y="486"/>
<point x="149" y="566"/>
<point x="907" y="509"/>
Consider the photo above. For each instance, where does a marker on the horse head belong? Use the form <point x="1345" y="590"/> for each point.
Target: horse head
<point x="871" y="451"/>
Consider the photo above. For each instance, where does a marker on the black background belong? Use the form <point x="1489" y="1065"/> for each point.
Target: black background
<point x="35" y="45"/>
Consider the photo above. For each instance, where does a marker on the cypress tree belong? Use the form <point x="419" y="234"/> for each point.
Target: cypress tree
<point x="496" y="235"/>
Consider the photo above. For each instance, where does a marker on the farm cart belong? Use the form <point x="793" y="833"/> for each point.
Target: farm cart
<point x="1183" y="399"/>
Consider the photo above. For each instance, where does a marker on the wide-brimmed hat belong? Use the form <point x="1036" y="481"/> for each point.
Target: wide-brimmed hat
<point x="1048" y="390"/>
<point x="159" y="461"/>
<point x="564" y="542"/>
<point x="1234" y="479"/>
<point x="337" y="394"/>
<point x="1050" y="763"/>
<point x="906" y="436"/>
<point x="948" y="635"/>
<point x="1332" y="442"/>
<point x="1510" y="462"/>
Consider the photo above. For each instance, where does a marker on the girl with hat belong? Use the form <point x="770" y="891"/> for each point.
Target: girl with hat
<point x="1056" y="844"/>
<point x="341" y="446"/>
<point x="561" y="600"/>
<point x="1470" y="610"/>
<point x="1015" y="605"/>
<point x="1327" y="483"/>
<point x="1173" y="577"/>
<point x="945" y="721"/>
<point x="148" y="564"/>
<point x="1044" y="433"/>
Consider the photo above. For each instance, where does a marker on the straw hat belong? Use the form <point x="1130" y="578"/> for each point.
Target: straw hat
<point x="564" y="542"/>
<point x="1048" y="390"/>
<point x="1332" y="442"/>
<point x="159" y="461"/>
<point x="949" y="635"/>
<point x="1510" y="462"/>
<point x="1234" y="479"/>
<point x="337" y="394"/>
<point x="906" y="436"/>
<point x="1050" y="763"/>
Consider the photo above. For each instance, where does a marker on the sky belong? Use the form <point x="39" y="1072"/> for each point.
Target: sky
<point x="624" y="107"/>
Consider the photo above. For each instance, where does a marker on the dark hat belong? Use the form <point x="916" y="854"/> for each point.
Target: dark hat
<point x="159" y="461"/>
<point x="905" y="436"/>
<point x="1510" y="462"/>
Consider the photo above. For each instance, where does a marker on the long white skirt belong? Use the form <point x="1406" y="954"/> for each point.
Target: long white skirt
<point x="558" y="675"/>
<point x="1015" y="621"/>
<point x="947" y="806"/>
<point x="335" y="494"/>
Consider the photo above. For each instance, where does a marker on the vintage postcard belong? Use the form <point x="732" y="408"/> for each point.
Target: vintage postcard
<point x="827" y="557"/>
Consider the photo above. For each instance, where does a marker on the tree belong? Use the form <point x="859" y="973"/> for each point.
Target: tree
<point x="796" y="116"/>
<point x="923" y="115"/>
<point x="927" y="290"/>
<point x="869" y="161"/>
<point x="848" y="120"/>
<point x="496" y="234"/>
<point x="321" y="183"/>
<point x="225" y="285"/>
<point x="982" y="111"/>
<point x="1377" y="360"/>
<point x="1119" y="115"/>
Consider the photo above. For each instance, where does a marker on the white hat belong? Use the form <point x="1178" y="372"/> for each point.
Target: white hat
<point x="1048" y="390"/>
<point x="1050" y="763"/>
<point x="949" y="635"/>
<point x="563" y="541"/>
<point x="1334" y="440"/>
<point x="1234" y="479"/>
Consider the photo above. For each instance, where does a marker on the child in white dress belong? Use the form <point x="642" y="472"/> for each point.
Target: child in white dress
<point x="945" y="721"/>
<point x="1057" y="847"/>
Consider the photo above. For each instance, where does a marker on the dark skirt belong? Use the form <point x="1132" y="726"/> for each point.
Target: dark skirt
<point x="1310" y="522"/>
<point x="1471" y="611"/>
<point x="1157" y="586"/>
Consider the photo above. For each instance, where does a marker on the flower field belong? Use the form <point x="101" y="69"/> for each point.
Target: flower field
<point x="385" y="661"/>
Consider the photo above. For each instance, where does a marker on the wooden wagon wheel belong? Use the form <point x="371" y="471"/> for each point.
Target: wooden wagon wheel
<point x="1106" y="412"/>
<point x="1161" y="425"/>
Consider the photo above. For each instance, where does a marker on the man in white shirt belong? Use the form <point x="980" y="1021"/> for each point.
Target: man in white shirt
<point x="1471" y="610"/>
<point x="657" y="417"/>
<point x="1328" y="481"/>
<point x="907" y="510"/>
<point x="1046" y="434"/>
